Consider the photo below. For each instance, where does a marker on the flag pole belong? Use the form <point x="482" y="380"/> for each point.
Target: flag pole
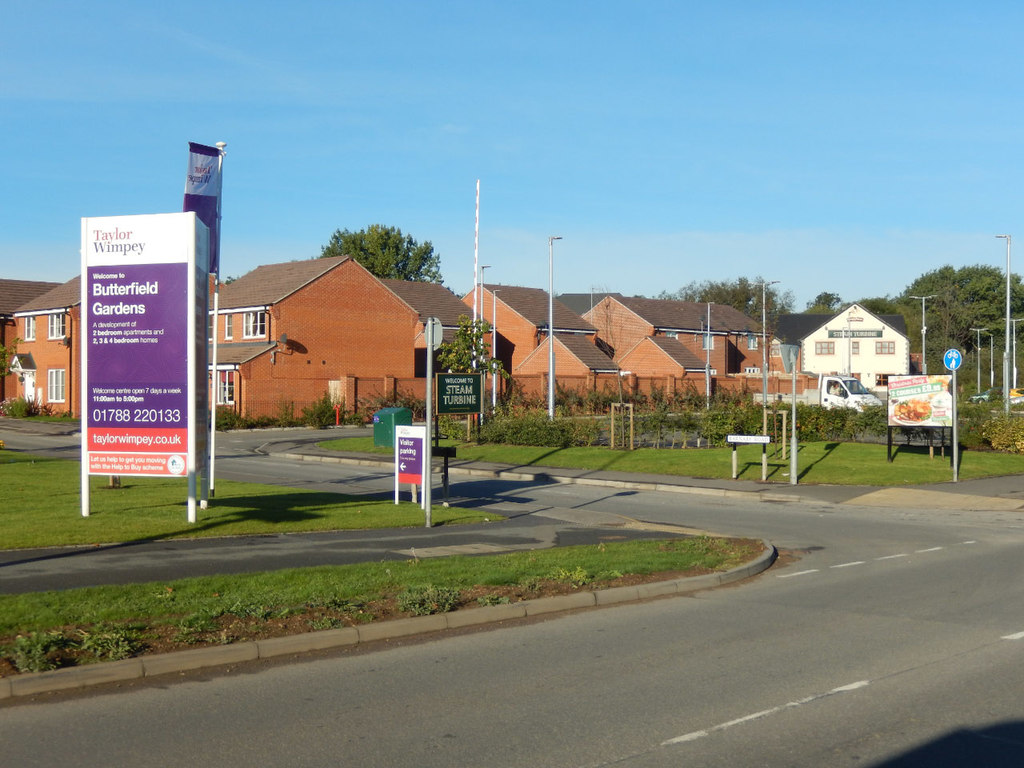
<point x="215" y="378"/>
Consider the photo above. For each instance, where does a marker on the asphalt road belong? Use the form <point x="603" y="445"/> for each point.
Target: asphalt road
<point x="892" y="638"/>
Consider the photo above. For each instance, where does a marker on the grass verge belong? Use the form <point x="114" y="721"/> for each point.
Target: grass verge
<point x="824" y="463"/>
<point x="45" y="630"/>
<point x="48" y="508"/>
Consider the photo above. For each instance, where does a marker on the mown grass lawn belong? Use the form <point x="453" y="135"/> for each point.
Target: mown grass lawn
<point x="826" y="463"/>
<point x="42" y="508"/>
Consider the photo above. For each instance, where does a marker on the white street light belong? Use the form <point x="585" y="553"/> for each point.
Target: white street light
<point x="764" y="352"/>
<point x="1006" y="352"/>
<point x="977" y="353"/>
<point x="924" y="334"/>
<point x="494" y="349"/>
<point x="1015" y="320"/>
<point x="551" y="326"/>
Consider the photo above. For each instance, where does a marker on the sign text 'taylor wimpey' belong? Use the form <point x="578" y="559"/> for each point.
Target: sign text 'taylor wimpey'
<point x="115" y="240"/>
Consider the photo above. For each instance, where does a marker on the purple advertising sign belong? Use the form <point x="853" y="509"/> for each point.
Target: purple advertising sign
<point x="136" y="317"/>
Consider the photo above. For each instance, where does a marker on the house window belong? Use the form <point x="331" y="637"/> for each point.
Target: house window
<point x="707" y="341"/>
<point x="776" y="349"/>
<point x="885" y="347"/>
<point x="229" y="326"/>
<point x="226" y="388"/>
<point x="855" y="347"/>
<point x="57" y="326"/>
<point x="751" y="369"/>
<point x="751" y="341"/>
<point x="672" y="334"/>
<point x="255" y="326"/>
<point x="55" y="385"/>
<point x="824" y="347"/>
<point x="30" y="329"/>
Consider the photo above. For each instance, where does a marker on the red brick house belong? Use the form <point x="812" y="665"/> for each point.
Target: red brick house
<point x="429" y="300"/>
<point x="522" y="321"/>
<point x="48" y="362"/>
<point x="289" y="333"/>
<point x="14" y="293"/>
<point x="734" y="339"/>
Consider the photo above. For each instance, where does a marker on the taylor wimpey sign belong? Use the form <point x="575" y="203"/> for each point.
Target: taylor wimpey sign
<point x="139" y="356"/>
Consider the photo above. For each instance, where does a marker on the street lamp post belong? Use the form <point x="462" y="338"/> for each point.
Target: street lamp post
<point x="977" y="352"/>
<point x="551" y="326"/>
<point x="992" y="361"/>
<point x="1006" y="351"/>
<point x="1015" y="321"/>
<point x="494" y="350"/>
<point x="764" y="353"/>
<point x="924" y="334"/>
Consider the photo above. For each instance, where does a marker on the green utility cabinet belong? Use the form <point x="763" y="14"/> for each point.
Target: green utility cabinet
<point x="384" y="422"/>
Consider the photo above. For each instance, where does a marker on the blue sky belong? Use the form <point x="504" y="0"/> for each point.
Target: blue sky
<point x="845" y="148"/>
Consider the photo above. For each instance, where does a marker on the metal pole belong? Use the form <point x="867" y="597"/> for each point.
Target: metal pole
<point x="991" y="363"/>
<point x="792" y="439"/>
<point x="494" y="349"/>
<point x="764" y="352"/>
<point x="1006" y="351"/>
<point x="551" y="326"/>
<point x="924" y="334"/>
<point x="977" y="352"/>
<point x="707" y="361"/>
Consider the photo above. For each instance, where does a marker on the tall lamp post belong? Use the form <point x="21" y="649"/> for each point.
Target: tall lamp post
<point x="977" y="353"/>
<point x="924" y="334"/>
<point x="1015" y="320"/>
<point x="494" y="349"/>
<point x="764" y="353"/>
<point x="551" y="326"/>
<point x="1006" y="351"/>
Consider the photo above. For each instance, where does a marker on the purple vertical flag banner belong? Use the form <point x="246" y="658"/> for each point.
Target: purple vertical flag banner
<point x="202" y="194"/>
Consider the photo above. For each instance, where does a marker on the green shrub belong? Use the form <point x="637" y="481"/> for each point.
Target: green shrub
<point x="110" y="643"/>
<point x="1005" y="434"/>
<point x="38" y="651"/>
<point x="423" y="601"/>
<point x="321" y="413"/>
<point x="535" y="428"/>
<point x="19" y="408"/>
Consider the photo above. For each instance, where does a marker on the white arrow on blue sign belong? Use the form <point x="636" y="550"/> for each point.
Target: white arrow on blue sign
<point x="952" y="359"/>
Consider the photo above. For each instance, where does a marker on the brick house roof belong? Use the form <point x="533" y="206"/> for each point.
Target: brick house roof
<point x="430" y="300"/>
<point x="532" y="304"/>
<point x="14" y="293"/>
<point x="270" y="283"/>
<point x="62" y="296"/>
<point x="241" y="352"/>
<point x="586" y="351"/>
<point x="581" y="303"/>
<point x="673" y="315"/>
<point x="677" y="352"/>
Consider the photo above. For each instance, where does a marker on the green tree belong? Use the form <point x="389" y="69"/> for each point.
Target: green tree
<point x="468" y="346"/>
<point x="7" y="356"/>
<point x="964" y="298"/>
<point x="825" y="303"/>
<point x="387" y="253"/>
<point x="742" y="294"/>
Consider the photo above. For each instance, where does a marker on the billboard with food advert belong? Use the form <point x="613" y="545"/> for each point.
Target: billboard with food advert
<point x="920" y="401"/>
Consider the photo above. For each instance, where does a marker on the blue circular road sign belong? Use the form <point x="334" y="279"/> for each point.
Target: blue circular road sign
<point x="952" y="359"/>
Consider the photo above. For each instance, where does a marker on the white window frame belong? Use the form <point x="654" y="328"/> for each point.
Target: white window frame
<point x="229" y="326"/>
<point x="255" y="325"/>
<point x="56" y="385"/>
<point x="56" y="325"/>
<point x="30" y="328"/>
<point x="753" y="342"/>
<point x="707" y="342"/>
<point x="226" y="381"/>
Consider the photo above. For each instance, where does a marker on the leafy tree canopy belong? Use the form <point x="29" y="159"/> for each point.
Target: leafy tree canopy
<point x="387" y="253"/>
<point x="468" y="350"/>
<point x="742" y="294"/>
<point x="824" y="303"/>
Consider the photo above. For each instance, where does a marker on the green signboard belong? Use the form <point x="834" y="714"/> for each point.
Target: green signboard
<point x="846" y="333"/>
<point x="459" y="392"/>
